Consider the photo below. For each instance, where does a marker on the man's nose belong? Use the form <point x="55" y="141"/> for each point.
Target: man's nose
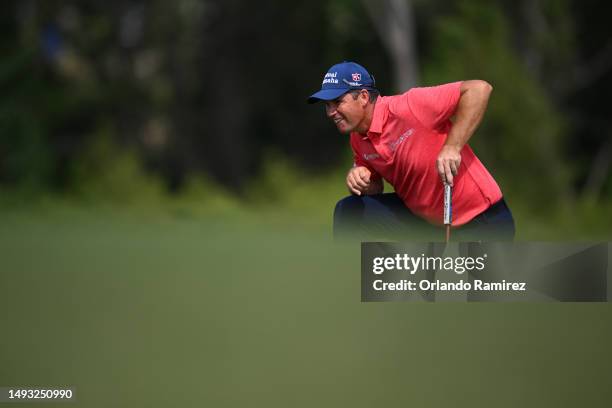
<point x="330" y="110"/>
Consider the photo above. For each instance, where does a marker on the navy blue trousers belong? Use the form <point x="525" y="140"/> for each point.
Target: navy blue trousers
<point x="383" y="217"/>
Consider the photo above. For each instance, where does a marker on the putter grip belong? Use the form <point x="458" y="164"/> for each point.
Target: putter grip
<point x="448" y="205"/>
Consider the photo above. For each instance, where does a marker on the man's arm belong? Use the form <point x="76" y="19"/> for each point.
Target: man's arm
<point x="359" y="181"/>
<point x="470" y="111"/>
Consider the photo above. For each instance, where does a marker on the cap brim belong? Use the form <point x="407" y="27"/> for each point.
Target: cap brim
<point x="327" y="95"/>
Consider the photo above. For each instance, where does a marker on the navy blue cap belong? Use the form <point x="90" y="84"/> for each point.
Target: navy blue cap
<point x="342" y="78"/>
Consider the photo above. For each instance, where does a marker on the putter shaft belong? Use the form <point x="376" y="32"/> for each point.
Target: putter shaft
<point x="448" y="209"/>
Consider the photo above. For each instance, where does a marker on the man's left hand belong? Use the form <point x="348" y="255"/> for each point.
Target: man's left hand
<point x="448" y="163"/>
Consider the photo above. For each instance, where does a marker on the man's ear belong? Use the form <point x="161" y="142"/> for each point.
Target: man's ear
<point x="364" y="97"/>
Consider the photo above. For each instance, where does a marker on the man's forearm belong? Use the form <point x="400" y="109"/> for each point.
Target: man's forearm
<point x="376" y="186"/>
<point x="470" y="111"/>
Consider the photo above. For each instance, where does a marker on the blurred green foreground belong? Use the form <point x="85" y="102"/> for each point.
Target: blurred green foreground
<point x="171" y="307"/>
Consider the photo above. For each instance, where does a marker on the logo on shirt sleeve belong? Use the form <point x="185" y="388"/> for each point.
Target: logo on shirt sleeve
<point x="371" y="156"/>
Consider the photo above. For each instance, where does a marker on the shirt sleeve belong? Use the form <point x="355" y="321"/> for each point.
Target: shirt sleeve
<point x="359" y="161"/>
<point x="432" y="106"/>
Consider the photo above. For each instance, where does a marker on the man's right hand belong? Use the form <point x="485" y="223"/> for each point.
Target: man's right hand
<point x="359" y="181"/>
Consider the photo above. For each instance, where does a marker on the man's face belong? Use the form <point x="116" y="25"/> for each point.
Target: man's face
<point x="347" y="112"/>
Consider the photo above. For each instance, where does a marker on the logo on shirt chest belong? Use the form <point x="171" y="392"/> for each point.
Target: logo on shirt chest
<point x="394" y="145"/>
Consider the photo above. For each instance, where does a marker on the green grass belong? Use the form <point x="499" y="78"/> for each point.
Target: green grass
<point x="180" y="307"/>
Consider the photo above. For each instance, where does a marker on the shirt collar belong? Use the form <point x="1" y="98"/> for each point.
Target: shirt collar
<point x="379" y="116"/>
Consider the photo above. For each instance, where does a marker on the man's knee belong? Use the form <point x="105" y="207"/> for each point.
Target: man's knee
<point x="347" y="215"/>
<point x="348" y="212"/>
<point x="349" y="206"/>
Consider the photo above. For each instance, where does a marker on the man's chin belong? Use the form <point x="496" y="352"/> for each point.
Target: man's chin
<point x="345" y="130"/>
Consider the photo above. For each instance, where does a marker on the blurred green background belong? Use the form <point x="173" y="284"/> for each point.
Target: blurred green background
<point x="166" y="198"/>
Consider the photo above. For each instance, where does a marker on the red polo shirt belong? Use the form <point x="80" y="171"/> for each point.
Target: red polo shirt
<point x="403" y="143"/>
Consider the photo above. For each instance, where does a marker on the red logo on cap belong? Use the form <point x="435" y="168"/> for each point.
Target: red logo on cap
<point x="356" y="77"/>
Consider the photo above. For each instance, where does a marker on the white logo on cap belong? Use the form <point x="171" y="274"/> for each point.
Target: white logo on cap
<point x="351" y="83"/>
<point x="330" y="78"/>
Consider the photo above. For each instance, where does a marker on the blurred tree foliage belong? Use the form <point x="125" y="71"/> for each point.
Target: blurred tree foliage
<point x="521" y="138"/>
<point x="209" y="87"/>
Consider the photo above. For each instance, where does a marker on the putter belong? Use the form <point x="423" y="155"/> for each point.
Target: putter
<point x="448" y="209"/>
